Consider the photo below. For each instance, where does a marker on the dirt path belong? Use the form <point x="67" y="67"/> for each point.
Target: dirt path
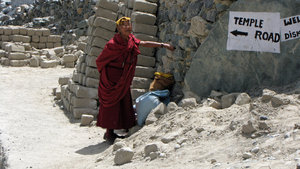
<point x="33" y="131"/>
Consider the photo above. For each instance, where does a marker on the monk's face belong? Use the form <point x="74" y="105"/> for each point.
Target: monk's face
<point x="125" y="28"/>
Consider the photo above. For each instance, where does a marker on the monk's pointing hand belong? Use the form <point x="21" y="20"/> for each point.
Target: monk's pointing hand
<point x="170" y="47"/>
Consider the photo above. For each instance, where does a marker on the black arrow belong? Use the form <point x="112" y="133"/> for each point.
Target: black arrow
<point x="236" y="32"/>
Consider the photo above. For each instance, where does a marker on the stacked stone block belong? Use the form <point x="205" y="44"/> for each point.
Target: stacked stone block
<point x="17" y="42"/>
<point x="38" y="38"/>
<point x="143" y="26"/>
<point x="80" y="96"/>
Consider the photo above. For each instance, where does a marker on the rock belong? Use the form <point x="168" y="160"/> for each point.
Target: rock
<point x="227" y="100"/>
<point x="134" y="129"/>
<point x="213" y="103"/>
<point x="190" y="94"/>
<point x="210" y="15"/>
<point x="160" y="110"/>
<point x="199" y="129"/>
<point x="169" y="137"/>
<point x="153" y="147"/>
<point x="278" y="100"/>
<point x="172" y="106"/>
<point x="182" y="140"/>
<point x="243" y="98"/>
<point x="123" y="155"/>
<point x="255" y="150"/>
<point x="153" y="155"/>
<point x="193" y="9"/>
<point x="263" y="125"/>
<point x="48" y="64"/>
<point x="248" y="128"/>
<point x="34" y="62"/>
<point x="287" y="135"/>
<point x="263" y="118"/>
<point x="247" y="155"/>
<point x="63" y="80"/>
<point x="214" y="93"/>
<point x="232" y="125"/>
<point x="119" y="145"/>
<point x="267" y="94"/>
<point x="198" y="26"/>
<point x="177" y="146"/>
<point x="189" y="102"/>
<point x="220" y="7"/>
<point x="86" y="119"/>
<point x="150" y="118"/>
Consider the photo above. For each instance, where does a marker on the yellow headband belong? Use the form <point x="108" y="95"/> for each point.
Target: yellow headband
<point x="119" y="21"/>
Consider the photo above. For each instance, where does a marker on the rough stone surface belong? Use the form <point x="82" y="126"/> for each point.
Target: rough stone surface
<point x="153" y="147"/>
<point x="86" y="119"/>
<point x="243" y="70"/>
<point x="123" y="155"/>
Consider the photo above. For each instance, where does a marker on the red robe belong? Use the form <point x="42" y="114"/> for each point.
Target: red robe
<point x="116" y="65"/>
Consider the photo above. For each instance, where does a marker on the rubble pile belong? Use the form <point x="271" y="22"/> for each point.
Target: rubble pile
<point x="57" y="15"/>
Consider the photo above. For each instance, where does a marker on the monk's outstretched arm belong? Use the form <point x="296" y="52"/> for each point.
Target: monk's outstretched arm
<point x="152" y="44"/>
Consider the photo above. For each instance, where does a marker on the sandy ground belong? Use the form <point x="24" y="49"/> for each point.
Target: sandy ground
<point x="36" y="133"/>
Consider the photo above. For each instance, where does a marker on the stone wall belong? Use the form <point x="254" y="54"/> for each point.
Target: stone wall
<point x="185" y="24"/>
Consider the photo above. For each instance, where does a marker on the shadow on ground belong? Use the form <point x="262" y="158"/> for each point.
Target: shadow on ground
<point x="94" y="149"/>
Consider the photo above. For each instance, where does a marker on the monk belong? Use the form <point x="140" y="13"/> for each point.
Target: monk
<point x="116" y="65"/>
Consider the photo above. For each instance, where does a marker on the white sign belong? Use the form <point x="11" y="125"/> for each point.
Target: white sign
<point x="254" y="31"/>
<point x="290" y="28"/>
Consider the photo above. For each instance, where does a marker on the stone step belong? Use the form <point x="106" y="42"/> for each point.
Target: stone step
<point x="81" y="91"/>
<point x="144" y="29"/>
<point x="103" y="33"/>
<point x="16" y="56"/>
<point x="141" y="83"/>
<point x="146" y="72"/>
<point x="11" y="47"/>
<point x="129" y="3"/>
<point x="18" y="63"/>
<point x="84" y="103"/>
<point x="143" y="18"/>
<point x="105" y="23"/>
<point x="94" y="51"/>
<point x="147" y="61"/>
<point x="92" y="72"/>
<point x="78" y="112"/>
<point x="135" y="93"/>
<point x="92" y="82"/>
<point x="144" y="37"/>
<point x="49" y="63"/>
<point x="78" y="77"/>
<point x="99" y="42"/>
<point x="107" y="4"/>
<point x="147" y="51"/>
<point x="145" y="6"/>
<point x="101" y="12"/>
<point x="91" y="61"/>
